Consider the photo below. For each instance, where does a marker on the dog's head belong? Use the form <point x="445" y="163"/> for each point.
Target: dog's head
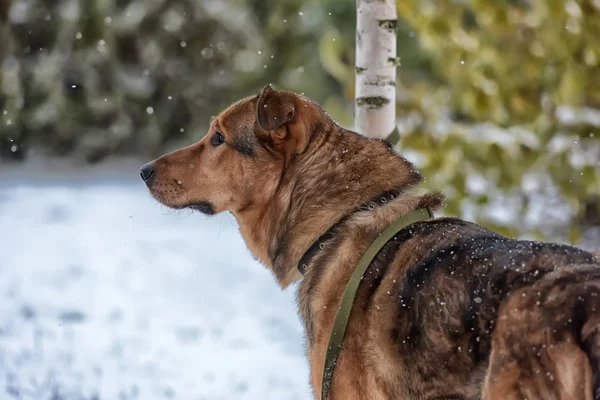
<point x="240" y="160"/>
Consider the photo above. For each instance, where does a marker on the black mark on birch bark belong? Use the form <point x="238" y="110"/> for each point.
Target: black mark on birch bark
<point x="388" y="24"/>
<point x="359" y="70"/>
<point x="394" y="61"/>
<point x="372" y="102"/>
<point x="381" y="83"/>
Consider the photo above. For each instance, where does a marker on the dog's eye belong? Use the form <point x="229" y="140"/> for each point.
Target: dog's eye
<point x="217" y="139"/>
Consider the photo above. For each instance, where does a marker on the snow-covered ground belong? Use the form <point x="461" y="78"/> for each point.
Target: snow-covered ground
<point x="104" y="294"/>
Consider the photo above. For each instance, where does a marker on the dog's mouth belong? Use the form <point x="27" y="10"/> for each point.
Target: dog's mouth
<point x="173" y="202"/>
<point x="204" y="207"/>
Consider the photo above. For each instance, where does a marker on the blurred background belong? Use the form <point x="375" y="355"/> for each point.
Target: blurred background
<point x="498" y="105"/>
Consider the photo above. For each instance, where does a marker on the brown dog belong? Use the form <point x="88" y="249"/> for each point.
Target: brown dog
<point x="447" y="309"/>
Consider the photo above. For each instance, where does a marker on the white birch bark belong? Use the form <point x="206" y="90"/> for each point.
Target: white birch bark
<point x="375" y="84"/>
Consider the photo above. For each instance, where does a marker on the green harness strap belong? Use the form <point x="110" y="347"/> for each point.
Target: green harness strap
<point x="342" y="315"/>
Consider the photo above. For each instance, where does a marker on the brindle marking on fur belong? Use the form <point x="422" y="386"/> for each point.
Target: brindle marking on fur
<point x="448" y="309"/>
<point x="459" y="261"/>
<point x="244" y="146"/>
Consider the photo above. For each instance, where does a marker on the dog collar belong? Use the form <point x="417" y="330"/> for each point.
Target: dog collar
<point x="342" y="315"/>
<point x="319" y="244"/>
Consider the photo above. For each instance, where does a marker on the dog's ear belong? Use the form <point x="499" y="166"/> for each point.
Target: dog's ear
<point x="276" y="114"/>
<point x="274" y="109"/>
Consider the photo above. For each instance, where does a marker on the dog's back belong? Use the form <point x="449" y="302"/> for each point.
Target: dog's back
<point x="526" y="315"/>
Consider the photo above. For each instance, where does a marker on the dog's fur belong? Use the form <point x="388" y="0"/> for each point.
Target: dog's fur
<point x="447" y="310"/>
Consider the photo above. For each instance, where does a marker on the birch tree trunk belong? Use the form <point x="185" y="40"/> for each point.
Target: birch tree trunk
<point x="375" y="98"/>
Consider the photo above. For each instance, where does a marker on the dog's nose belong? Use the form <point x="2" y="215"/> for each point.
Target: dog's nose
<point x="147" y="172"/>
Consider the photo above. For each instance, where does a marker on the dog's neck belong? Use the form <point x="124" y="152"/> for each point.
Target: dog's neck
<point x="319" y="244"/>
<point x="339" y="172"/>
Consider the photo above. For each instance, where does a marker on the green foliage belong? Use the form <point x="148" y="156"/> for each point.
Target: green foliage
<point x="522" y="65"/>
<point x="500" y="58"/>
<point x="99" y="77"/>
